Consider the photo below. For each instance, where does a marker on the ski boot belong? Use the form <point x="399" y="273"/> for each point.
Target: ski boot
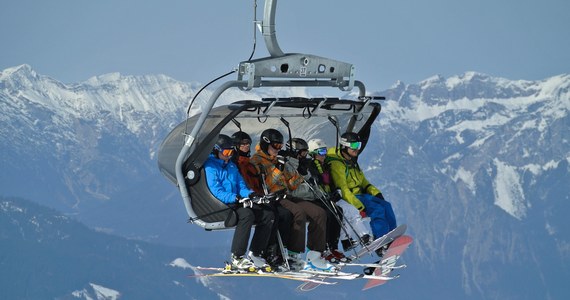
<point x="382" y="250"/>
<point x="316" y="263"/>
<point x="295" y="262"/>
<point x="241" y="264"/>
<point x="348" y="244"/>
<point x="334" y="257"/>
<point x="366" y="239"/>
<point x="259" y="262"/>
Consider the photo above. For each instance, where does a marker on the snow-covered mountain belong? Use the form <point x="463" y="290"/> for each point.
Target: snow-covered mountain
<point x="477" y="166"/>
<point x="479" y="169"/>
<point x="89" y="148"/>
<point x="46" y="255"/>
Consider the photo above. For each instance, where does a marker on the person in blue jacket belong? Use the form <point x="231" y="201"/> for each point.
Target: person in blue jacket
<point x="227" y="185"/>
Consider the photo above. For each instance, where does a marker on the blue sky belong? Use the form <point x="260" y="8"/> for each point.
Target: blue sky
<point x="197" y="40"/>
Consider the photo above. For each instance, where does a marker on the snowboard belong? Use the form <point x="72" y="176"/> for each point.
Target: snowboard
<point x="379" y="242"/>
<point x="388" y="262"/>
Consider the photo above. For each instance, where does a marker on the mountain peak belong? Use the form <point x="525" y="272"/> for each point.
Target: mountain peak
<point x="105" y="78"/>
<point x="21" y="71"/>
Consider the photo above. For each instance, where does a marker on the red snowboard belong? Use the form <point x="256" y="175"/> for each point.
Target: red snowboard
<point x="398" y="246"/>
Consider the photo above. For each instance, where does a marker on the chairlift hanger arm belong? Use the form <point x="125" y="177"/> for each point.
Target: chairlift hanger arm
<point x="296" y="66"/>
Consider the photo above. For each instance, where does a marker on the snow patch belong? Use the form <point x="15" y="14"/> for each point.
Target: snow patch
<point x="104" y="293"/>
<point x="411" y="151"/>
<point x="536" y="169"/>
<point x="180" y="263"/>
<point x="509" y="194"/>
<point x="467" y="177"/>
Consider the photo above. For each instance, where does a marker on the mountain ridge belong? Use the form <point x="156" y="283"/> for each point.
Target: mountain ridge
<point x="475" y="165"/>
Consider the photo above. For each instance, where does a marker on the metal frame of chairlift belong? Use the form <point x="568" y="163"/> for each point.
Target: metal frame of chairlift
<point x="277" y="70"/>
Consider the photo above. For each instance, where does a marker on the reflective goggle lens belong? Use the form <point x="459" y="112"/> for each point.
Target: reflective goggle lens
<point x="277" y="146"/>
<point x="321" y="151"/>
<point x="227" y="152"/>
<point x="355" y="145"/>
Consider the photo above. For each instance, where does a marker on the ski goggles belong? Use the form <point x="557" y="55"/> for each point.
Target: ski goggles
<point x="227" y="152"/>
<point x="352" y="145"/>
<point x="244" y="142"/>
<point x="321" y="151"/>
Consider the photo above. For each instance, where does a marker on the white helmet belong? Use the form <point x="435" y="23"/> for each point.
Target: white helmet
<point x="315" y="144"/>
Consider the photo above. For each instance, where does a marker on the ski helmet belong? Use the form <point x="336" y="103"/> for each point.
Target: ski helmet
<point x="271" y="137"/>
<point x="241" y="138"/>
<point x="317" y="146"/>
<point x="224" y="142"/>
<point x="350" y="140"/>
<point x="297" y="145"/>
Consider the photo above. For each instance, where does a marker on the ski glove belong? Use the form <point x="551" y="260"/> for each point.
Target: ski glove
<point x="380" y="196"/>
<point x="280" y="162"/>
<point x="254" y="195"/>
<point x="246" y="202"/>
<point x="334" y="197"/>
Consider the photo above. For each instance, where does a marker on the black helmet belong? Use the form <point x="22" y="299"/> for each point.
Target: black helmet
<point x="268" y="137"/>
<point x="240" y="136"/>
<point x="350" y="140"/>
<point x="224" y="142"/>
<point x="297" y="145"/>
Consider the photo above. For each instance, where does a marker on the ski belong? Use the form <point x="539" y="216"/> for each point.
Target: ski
<point x="311" y="278"/>
<point x="388" y="262"/>
<point x="367" y="265"/>
<point x="379" y="242"/>
<point x="309" y="286"/>
<point x="222" y="272"/>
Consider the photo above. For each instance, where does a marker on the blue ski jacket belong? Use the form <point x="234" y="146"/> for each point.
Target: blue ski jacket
<point x="224" y="180"/>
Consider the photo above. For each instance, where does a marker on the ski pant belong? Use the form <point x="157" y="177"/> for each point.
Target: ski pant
<point x="282" y="225"/>
<point x="382" y="217"/>
<point x="355" y="223"/>
<point x="263" y="217"/>
<point x="334" y="215"/>
<point x="304" y="211"/>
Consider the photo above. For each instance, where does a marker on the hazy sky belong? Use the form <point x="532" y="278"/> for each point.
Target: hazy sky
<point x="197" y="40"/>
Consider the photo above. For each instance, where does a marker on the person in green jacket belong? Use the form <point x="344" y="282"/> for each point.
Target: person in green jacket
<point x="356" y="189"/>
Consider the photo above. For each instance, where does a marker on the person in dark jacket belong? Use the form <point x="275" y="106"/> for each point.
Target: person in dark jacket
<point x="284" y="177"/>
<point x="250" y="174"/>
<point x="227" y="185"/>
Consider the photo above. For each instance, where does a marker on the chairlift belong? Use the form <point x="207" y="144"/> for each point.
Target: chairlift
<point x="183" y="152"/>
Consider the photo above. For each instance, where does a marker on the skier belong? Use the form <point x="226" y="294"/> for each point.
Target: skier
<point x="283" y="217"/>
<point x="279" y="179"/>
<point x="318" y="167"/>
<point x="356" y="189"/>
<point x="228" y="186"/>
<point x="304" y="166"/>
